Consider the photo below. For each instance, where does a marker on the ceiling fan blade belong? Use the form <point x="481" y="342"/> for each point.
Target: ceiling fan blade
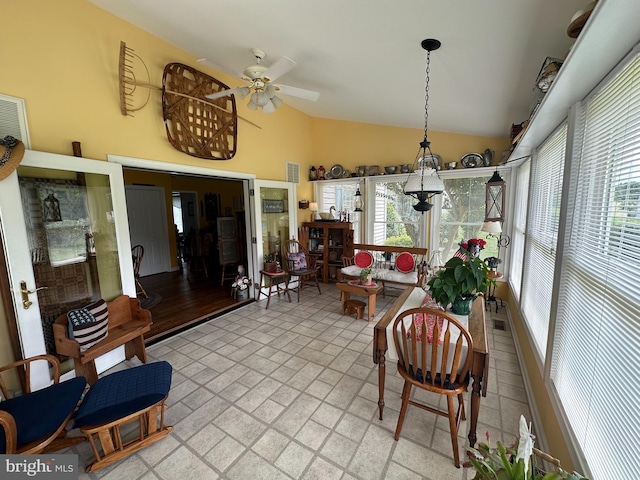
<point x="217" y="66"/>
<point x="298" y="92"/>
<point x="279" y="68"/>
<point x="223" y="93"/>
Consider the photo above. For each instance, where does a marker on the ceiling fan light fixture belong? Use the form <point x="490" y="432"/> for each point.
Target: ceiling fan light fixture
<point x="242" y="92"/>
<point x="260" y="98"/>
<point x="424" y="182"/>
<point x="277" y="101"/>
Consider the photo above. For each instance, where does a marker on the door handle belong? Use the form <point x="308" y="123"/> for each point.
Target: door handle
<point x="26" y="303"/>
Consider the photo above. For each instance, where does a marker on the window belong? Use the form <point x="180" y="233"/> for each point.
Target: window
<point x="519" y="225"/>
<point x="341" y="195"/>
<point x="462" y="214"/>
<point x="542" y="237"/>
<point x="596" y="341"/>
<point x="391" y="217"/>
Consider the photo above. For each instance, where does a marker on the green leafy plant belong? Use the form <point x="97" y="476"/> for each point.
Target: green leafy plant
<point x="517" y="462"/>
<point x="269" y="258"/>
<point x="365" y="271"/>
<point x="464" y="277"/>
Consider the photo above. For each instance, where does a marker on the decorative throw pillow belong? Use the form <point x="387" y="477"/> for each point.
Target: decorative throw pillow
<point x="88" y="325"/>
<point x="419" y="320"/>
<point x="405" y="262"/>
<point x="299" y="260"/>
<point x="363" y="259"/>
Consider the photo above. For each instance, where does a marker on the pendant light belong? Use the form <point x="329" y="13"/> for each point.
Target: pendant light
<point x="424" y="182"/>
<point x="494" y="203"/>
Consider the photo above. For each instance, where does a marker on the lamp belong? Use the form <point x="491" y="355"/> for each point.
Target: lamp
<point x="358" y="203"/>
<point x="494" y="204"/>
<point x="424" y="182"/>
<point x="264" y="97"/>
<point x="494" y="229"/>
<point x="313" y="206"/>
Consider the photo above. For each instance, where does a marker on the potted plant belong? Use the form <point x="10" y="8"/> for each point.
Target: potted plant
<point x="517" y="462"/>
<point x="365" y="276"/>
<point x="463" y="277"/>
<point x="270" y="263"/>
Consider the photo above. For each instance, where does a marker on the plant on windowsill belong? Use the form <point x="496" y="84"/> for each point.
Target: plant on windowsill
<point x="464" y="276"/>
<point x="517" y="462"/>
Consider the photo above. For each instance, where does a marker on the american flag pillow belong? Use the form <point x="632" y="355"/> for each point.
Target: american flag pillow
<point x="88" y="325"/>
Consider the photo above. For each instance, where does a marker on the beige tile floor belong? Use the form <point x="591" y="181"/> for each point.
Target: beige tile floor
<point x="291" y="393"/>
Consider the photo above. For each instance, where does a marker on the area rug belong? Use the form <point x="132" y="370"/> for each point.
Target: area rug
<point x="152" y="300"/>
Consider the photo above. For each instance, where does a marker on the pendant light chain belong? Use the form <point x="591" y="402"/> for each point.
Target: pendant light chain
<point x="426" y="98"/>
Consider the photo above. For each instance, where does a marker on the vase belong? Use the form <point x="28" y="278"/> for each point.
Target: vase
<point x="270" y="267"/>
<point x="365" y="279"/>
<point x="242" y="294"/>
<point x="461" y="305"/>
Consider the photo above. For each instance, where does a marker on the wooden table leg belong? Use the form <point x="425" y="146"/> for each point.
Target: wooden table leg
<point x="371" y="308"/>
<point x="344" y="297"/>
<point x="475" y="408"/>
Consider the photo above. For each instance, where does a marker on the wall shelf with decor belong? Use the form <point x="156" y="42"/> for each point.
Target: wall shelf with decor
<point x="611" y="33"/>
<point x="328" y="242"/>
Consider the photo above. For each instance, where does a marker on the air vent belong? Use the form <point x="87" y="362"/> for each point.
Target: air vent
<point x="13" y="119"/>
<point x="293" y="172"/>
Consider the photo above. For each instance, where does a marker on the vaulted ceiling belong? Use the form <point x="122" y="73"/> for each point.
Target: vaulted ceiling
<point x="365" y="58"/>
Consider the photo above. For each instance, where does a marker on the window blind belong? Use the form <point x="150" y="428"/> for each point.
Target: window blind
<point x="542" y="236"/>
<point x="519" y="225"/>
<point x="596" y="351"/>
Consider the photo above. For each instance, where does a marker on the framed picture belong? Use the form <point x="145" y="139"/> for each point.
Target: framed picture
<point x="272" y="206"/>
<point x="190" y="209"/>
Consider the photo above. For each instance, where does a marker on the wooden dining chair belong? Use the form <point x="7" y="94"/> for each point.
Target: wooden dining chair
<point x="137" y="254"/>
<point x="301" y="265"/>
<point x="434" y="353"/>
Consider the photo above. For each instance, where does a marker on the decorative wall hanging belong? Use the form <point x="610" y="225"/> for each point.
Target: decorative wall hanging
<point x="219" y="116"/>
<point x="194" y="127"/>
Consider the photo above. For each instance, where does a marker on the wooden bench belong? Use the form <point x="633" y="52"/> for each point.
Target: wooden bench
<point x="127" y="325"/>
<point x="384" y="267"/>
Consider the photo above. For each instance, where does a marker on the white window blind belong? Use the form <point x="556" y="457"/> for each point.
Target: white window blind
<point x="596" y="351"/>
<point x="542" y="236"/>
<point x="519" y="225"/>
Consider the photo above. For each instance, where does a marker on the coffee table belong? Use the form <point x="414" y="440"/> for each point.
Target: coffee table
<point x="369" y="291"/>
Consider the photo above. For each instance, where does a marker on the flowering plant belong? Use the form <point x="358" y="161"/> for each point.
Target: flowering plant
<point x="241" y="282"/>
<point x="517" y="462"/>
<point x="473" y="246"/>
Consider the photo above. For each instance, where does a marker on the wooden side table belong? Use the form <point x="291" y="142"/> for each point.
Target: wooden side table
<point x="274" y="279"/>
<point x="370" y="292"/>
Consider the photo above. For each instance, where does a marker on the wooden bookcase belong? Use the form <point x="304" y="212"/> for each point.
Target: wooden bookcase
<point x="328" y="242"/>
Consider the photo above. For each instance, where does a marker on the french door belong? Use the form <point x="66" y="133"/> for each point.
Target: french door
<point x="66" y="237"/>
<point x="275" y="211"/>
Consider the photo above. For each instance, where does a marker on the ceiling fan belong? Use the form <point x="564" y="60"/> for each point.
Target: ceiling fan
<point x="262" y="89"/>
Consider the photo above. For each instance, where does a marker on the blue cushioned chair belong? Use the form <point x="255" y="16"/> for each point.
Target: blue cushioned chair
<point x="35" y="422"/>
<point x="135" y="394"/>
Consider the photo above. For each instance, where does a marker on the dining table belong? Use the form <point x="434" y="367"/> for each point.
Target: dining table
<point x="384" y="349"/>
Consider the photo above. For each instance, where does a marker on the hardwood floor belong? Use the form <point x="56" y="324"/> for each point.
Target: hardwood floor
<point x="186" y="301"/>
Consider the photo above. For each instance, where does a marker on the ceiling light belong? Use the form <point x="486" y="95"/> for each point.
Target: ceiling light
<point x="424" y="182"/>
<point x="494" y="204"/>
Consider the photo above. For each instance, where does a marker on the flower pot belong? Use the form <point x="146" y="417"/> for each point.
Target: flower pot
<point x="462" y="305"/>
<point x="365" y="279"/>
<point x="242" y="294"/>
<point x="270" y="267"/>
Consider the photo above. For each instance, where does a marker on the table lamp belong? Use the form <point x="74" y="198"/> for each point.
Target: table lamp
<point x="313" y="206"/>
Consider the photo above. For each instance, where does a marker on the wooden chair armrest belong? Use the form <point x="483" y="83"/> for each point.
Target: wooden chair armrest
<point x="8" y="424"/>
<point x="26" y="363"/>
<point x="64" y="344"/>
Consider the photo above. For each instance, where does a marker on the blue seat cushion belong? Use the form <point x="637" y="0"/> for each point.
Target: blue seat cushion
<point x="38" y="414"/>
<point x="123" y="393"/>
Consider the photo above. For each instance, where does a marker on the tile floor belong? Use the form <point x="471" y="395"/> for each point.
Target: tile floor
<point x="291" y="393"/>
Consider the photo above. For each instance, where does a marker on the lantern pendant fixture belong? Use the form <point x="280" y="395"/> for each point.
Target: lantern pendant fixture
<point x="494" y="203"/>
<point x="424" y="182"/>
<point x="358" y="203"/>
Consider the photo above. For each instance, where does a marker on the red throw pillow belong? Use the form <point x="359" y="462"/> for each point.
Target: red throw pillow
<point x="363" y="259"/>
<point x="405" y="262"/>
